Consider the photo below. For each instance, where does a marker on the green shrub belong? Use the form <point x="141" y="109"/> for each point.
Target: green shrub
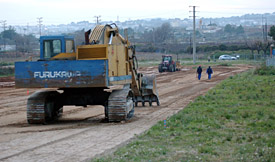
<point x="5" y="64"/>
<point x="225" y="64"/>
<point x="265" y="70"/>
<point x="6" y="71"/>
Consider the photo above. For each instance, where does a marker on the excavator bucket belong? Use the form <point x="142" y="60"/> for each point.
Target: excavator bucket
<point x="148" y="90"/>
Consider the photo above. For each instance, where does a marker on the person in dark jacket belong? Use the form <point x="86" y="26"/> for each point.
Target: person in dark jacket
<point x="209" y="71"/>
<point x="199" y="71"/>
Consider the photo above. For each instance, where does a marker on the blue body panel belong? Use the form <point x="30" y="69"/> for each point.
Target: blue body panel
<point x="62" y="74"/>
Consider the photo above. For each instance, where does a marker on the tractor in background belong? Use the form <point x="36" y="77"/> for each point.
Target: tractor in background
<point x="168" y="64"/>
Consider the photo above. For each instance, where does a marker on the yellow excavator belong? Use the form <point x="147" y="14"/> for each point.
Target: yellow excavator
<point x="84" y="76"/>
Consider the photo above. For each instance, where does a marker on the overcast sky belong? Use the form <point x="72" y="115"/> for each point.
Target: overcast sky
<point x="23" y="12"/>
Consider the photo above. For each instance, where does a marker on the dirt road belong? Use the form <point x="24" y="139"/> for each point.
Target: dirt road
<point x="81" y="133"/>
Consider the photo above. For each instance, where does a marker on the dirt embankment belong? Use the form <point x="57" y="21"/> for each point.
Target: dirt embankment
<point x="81" y="133"/>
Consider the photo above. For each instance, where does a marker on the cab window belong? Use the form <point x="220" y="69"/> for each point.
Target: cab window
<point x="166" y="58"/>
<point x="52" y="48"/>
<point x="69" y="46"/>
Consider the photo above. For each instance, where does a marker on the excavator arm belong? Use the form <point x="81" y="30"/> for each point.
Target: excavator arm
<point x="143" y="87"/>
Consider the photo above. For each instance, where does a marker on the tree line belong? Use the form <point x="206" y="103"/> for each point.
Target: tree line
<point x="159" y="39"/>
<point x="162" y="39"/>
<point x="24" y="43"/>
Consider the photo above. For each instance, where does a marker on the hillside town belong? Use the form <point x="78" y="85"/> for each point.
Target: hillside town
<point x="153" y="35"/>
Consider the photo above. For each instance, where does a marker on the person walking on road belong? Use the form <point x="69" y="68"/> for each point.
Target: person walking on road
<point x="209" y="71"/>
<point x="199" y="71"/>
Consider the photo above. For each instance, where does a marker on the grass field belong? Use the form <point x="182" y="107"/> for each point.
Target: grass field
<point x="184" y="62"/>
<point x="235" y="121"/>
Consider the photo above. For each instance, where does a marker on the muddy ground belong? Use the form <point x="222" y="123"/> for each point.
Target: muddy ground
<point x="81" y="133"/>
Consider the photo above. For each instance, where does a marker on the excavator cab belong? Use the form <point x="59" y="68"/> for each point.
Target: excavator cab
<point x="56" y="47"/>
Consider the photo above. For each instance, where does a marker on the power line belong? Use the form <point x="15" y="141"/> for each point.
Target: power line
<point x="4" y="23"/>
<point x="157" y="15"/>
<point x="40" y="24"/>
<point x="97" y="19"/>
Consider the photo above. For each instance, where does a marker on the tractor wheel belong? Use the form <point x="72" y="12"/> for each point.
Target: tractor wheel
<point x="160" y="68"/>
<point x="171" y="68"/>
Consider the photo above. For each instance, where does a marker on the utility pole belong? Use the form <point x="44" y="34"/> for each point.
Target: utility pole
<point x="194" y="33"/>
<point x="40" y="24"/>
<point x="28" y="45"/>
<point x="190" y="44"/>
<point x="27" y="28"/>
<point x="263" y="28"/>
<point x="24" y="40"/>
<point x="154" y="39"/>
<point x="24" y="29"/>
<point x="97" y="19"/>
<point x="266" y="29"/>
<point x="4" y="23"/>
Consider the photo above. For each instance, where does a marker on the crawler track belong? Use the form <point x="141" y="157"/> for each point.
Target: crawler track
<point x="120" y="105"/>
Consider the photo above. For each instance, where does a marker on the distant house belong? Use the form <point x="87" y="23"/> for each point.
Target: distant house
<point x="7" y="48"/>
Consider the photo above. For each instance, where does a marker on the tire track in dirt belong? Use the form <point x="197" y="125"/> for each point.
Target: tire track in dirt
<point x="16" y="102"/>
<point x="6" y="110"/>
<point x="154" y="117"/>
<point x="88" y="138"/>
<point x="12" y="91"/>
